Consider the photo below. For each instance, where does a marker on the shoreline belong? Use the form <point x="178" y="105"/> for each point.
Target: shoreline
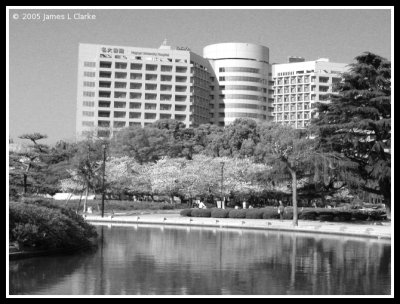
<point x="315" y="227"/>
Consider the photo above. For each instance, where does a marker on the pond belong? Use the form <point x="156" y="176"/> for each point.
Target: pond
<point x="171" y="260"/>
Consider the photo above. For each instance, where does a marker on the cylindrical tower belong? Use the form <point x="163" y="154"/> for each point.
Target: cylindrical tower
<point x="240" y="84"/>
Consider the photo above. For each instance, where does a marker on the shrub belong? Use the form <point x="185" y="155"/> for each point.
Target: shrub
<point x="270" y="213"/>
<point x="254" y="213"/>
<point x="33" y="225"/>
<point x="234" y="213"/>
<point x="343" y="216"/>
<point x="288" y="214"/>
<point x="359" y="215"/>
<point x="307" y="215"/>
<point x="201" y="212"/>
<point x="377" y="215"/>
<point x="326" y="217"/>
<point x="186" y="212"/>
<point x="220" y="213"/>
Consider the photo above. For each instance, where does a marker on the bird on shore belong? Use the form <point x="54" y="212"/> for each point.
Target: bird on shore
<point x="217" y="221"/>
<point x="191" y="220"/>
<point x="138" y="218"/>
<point x="243" y="222"/>
<point x="165" y="218"/>
<point x="269" y="223"/>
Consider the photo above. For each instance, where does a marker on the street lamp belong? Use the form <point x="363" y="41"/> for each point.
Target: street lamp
<point x="102" y="184"/>
<point x="222" y="185"/>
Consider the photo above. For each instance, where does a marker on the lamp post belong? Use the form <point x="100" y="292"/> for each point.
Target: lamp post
<point x="222" y="185"/>
<point x="102" y="184"/>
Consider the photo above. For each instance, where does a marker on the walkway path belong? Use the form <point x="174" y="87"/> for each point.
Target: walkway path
<point x="363" y="229"/>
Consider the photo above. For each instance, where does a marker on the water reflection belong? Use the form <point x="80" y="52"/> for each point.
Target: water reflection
<point x="181" y="260"/>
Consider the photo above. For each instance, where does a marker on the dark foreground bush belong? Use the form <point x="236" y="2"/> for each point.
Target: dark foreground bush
<point x="220" y="213"/>
<point x="186" y="212"/>
<point x="234" y="213"/>
<point x="35" y="226"/>
<point x="201" y="212"/>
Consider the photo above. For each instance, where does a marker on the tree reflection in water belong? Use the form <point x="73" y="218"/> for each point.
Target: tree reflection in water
<point x="172" y="260"/>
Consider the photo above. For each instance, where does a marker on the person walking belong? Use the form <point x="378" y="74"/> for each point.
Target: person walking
<point x="281" y="210"/>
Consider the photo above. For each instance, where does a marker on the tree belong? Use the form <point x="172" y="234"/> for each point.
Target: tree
<point x="287" y="150"/>
<point x="30" y="163"/>
<point x="144" y="144"/>
<point x="356" y="125"/>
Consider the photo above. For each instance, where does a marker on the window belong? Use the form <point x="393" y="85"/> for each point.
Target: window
<point x="179" y="69"/>
<point x="152" y="77"/>
<point x="150" y="96"/>
<point x="180" y="88"/>
<point x="104" y="113"/>
<point x="135" y="86"/>
<point x="105" y="84"/>
<point x="88" y="113"/>
<point x="87" y="123"/>
<point x="89" y="64"/>
<point x="120" y="85"/>
<point x="164" y="87"/>
<point x="135" y="115"/>
<point x="105" y="64"/>
<point x="136" y="76"/>
<point x="165" y="116"/>
<point x="180" y="79"/>
<point x="88" y="94"/>
<point x="180" y="97"/>
<point x="103" y="123"/>
<point x="103" y="74"/>
<point x="136" y="66"/>
<point x="180" y="108"/>
<point x="135" y="105"/>
<point x="165" y="97"/>
<point x="165" y="107"/>
<point x="89" y="74"/>
<point x="151" y="87"/>
<point x="150" y="116"/>
<point x="118" y="114"/>
<point x="120" y="65"/>
<point x="166" y="68"/>
<point x="88" y="103"/>
<point x="119" y="124"/>
<point x="119" y="104"/>
<point x="151" y="67"/>
<point x="120" y="75"/>
<point x="105" y="94"/>
<point x="104" y="104"/>
<point x="150" y="106"/>
<point x="180" y="117"/>
<point x="135" y="95"/>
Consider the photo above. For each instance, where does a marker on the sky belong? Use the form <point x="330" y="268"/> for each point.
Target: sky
<point x="43" y="54"/>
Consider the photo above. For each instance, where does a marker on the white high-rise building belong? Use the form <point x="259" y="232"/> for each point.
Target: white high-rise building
<point x="240" y="84"/>
<point x="126" y="86"/>
<point x="298" y="85"/>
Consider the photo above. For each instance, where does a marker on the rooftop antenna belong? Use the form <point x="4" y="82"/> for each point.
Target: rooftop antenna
<point x="165" y="41"/>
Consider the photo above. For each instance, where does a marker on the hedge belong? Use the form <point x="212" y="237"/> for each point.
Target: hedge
<point x="186" y="212"/>
<point x="321" y="214"/>
<point x="237" y="213"/>
<point x="201" y="212"/>
<point x="220" y="213"/>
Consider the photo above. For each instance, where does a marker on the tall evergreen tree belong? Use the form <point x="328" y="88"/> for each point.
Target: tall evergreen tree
<point x="356" y="125"/>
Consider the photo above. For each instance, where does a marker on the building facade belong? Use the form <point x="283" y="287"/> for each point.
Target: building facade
<point x="127" y="86"/>
<point x="240" y="83"/>
<point x="299" y="85"/>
